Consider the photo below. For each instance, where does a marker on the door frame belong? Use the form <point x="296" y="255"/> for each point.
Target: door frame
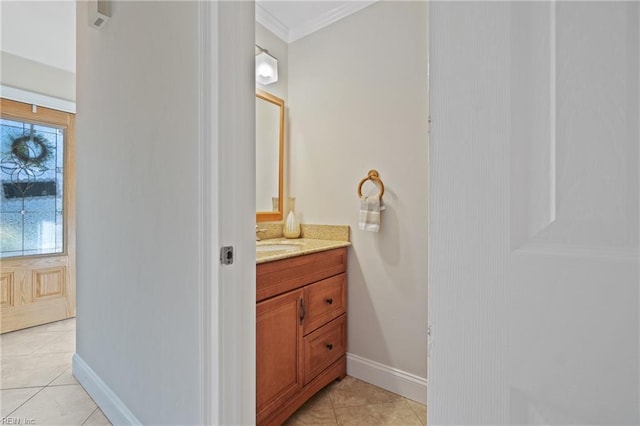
<point x="227" y="197"/>
<point x="27" y="97"/>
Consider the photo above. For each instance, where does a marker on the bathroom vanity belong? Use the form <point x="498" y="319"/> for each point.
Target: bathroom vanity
<point x="300" y="326"/>
<point x="301" y="287"/>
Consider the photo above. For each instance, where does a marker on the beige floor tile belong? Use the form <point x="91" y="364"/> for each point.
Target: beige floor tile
<point x="65" y="378"/>
<point x="317" y="410"/>
<point x="25" y="342"/>
<point x="58" y="405"/>
<point x="351" y="392"/>
<point x="320" y="400"/>
<point x="313" y="416"/>
<point x="10" y="399"/>
<point x="419" y="409"/>
<point x="64" y="342"/>
<point x="394" y="413"/>
<point x="32" y="370"/>
<point x="97" y="419"/>
<point x="64" y="325"/>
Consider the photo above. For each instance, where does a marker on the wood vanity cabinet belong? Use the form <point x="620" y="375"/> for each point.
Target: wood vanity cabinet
<point x="301" y="330"/>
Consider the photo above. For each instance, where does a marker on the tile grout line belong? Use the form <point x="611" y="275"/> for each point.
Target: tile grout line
<point x="406" y="402"/>
<point x="22" y="387"/>
<point x="417" y="417"/>
<point x="27" y="400"/>
<point x="333" y="409"/>
<point x="56" y="378"/>
<point x="88" y="417"/>
<point x="31" y="387"/>
<point x="54" y="335"/>
<point x="55" y="386"/>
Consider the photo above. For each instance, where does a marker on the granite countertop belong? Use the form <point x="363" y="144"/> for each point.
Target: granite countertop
<point x="294" y="247"/>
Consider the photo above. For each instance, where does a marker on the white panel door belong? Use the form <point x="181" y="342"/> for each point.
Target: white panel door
<point x="573" y="304"/>
<point x="534" y="213"/>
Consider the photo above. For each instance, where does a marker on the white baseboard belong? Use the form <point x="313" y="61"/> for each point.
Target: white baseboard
<point x="112" y="407"/>
<point x="397" y="381"/>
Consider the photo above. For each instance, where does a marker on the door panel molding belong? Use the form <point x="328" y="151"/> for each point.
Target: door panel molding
<point x="6" y="289"/>
<point x="49" y="283"/>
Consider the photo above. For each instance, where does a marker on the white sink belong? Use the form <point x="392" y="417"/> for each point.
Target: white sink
<point x="261" y="248"/>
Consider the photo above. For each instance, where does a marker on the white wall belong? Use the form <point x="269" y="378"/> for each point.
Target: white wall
<point x="534" y="183"/>
<point x="358" y="101"/>
<point x="139" y="221"/>
<point x="42" y="31"/>
<point x="37" y="45"/>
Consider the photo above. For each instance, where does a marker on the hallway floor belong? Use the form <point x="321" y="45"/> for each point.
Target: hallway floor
<point x="37" y="388"/>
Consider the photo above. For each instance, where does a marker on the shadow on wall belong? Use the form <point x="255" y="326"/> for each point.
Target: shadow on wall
<point x="365" y="308"/>
<point x="387" y="241"/>
<point x="392" y="253"/>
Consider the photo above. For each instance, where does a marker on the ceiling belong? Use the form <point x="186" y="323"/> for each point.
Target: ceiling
<point x="42" y="31"/>
<point x="293" y="19"/>
<point x="289" y="20"/>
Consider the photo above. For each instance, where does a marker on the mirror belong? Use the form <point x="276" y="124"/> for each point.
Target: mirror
<point x="269" y="156"/>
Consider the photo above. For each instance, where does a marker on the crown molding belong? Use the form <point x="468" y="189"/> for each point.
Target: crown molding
<point x="268" y="21"/>
<point x="289" y="35"/>
<point x="327" y="18"/>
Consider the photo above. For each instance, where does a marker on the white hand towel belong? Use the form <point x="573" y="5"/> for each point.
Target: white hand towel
<point x="370" y="208"/>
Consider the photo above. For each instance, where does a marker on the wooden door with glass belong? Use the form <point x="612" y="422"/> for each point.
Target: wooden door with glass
<point x="37" y="216"/>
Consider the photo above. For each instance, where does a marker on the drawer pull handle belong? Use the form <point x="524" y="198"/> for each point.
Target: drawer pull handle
<point x="329" y="346"/>
<point x="330" y="301"/>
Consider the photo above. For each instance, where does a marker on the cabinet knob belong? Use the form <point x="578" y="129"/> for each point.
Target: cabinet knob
<point x="330" y="301"/>
<point x="329" y="346"/>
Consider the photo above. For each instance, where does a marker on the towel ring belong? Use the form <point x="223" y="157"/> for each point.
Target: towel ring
<point x="373" y="176"/>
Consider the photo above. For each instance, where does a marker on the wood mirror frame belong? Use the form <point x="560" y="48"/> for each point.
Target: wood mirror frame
<point x="270" y="216"/>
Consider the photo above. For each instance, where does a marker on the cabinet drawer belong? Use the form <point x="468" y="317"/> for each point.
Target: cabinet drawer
<point x="324" y="301"/>
<point x="323" y="347"/>
<point x="280" y="276"/>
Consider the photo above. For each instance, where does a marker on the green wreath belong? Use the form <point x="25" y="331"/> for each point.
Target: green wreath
<point x="31" y="150"/>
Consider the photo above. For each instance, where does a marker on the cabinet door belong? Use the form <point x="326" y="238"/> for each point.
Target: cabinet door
<point x="279" y="368"/>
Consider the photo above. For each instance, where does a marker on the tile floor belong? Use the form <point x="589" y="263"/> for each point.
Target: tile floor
<point x="36" y="384"/>
<point x="37" y="387"/>
<point x="354" y="402"/>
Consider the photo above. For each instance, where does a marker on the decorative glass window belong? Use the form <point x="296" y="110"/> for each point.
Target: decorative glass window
<point x="31" y="200"/>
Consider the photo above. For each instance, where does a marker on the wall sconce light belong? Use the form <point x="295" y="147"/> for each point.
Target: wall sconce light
<point x="266" y="67"/>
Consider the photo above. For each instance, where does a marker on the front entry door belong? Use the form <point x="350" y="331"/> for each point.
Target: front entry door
<point x="37" y="216"/>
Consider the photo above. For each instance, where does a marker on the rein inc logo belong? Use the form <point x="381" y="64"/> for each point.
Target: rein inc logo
<point x="17" y="421"/>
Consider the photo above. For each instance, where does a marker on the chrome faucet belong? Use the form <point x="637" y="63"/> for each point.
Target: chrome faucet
<point x="259" y="231"/>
